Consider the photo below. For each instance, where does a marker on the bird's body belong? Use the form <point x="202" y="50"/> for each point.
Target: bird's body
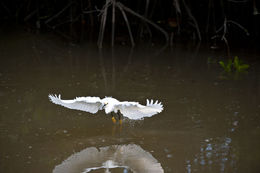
<point x="131" y="110"/>
<point x="110" y="104"/>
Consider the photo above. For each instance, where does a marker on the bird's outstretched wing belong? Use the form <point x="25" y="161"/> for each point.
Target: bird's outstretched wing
<point x="88" y="104"/>
<point x="135" y="111"/>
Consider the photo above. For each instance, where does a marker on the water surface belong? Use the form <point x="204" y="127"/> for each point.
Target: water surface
<point x="209" y="124"/>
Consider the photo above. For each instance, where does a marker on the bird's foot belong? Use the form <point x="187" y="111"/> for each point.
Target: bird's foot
<point x="114" y="120"/>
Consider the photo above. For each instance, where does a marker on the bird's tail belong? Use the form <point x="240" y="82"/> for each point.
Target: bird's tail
<point x="156" y="105"/>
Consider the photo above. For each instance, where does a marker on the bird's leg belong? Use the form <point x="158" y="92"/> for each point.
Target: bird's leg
<point x="119" y="118"/>
<point x="113" y="118"/>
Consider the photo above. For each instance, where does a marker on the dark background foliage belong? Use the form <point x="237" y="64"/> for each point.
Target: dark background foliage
<point x="79" y="20"/>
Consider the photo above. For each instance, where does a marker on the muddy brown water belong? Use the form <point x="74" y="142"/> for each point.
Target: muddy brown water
<point x="209" y="124"/>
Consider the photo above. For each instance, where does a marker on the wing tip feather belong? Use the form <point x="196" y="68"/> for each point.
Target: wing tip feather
<point x="158" y="105"/>
<point x="54" y="98"/>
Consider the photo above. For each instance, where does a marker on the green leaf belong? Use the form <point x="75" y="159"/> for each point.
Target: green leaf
<point x="222" y="64"/>
<point x="236" y="62"/>
<point x="229" y="65"/>
<point x="243" y="66"/>
<point x="226" y="67"/>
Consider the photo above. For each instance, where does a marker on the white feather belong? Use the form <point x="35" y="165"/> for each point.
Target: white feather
<point x="131" y="110"/>
<point x="88" y="104"/>
<point x="135" y="111"/>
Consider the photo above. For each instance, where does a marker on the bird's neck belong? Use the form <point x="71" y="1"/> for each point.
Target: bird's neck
<point x="110" y="108"/>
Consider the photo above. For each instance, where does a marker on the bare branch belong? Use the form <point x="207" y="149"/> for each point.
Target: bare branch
<point x="60" y="12"/>
<point x="90" y="11"/>
<point x="30" y="15"/>
<point x="238" y="1"/>
<point x="146" y="20"/>
<point x="239" y="26"/>
<point x="103" y="23"/>
<point x="192" y="18"/>
<point x="127" y="24"/>
<point x="176" y="4"/>
<point x="113" y="23"/>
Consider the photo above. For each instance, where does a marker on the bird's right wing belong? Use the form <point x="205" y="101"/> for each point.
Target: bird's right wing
<point x="136" y="111"/>
<point x="88" y="104"/>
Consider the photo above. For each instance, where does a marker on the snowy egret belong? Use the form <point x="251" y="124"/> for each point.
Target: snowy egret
<point x="131" y="110"/>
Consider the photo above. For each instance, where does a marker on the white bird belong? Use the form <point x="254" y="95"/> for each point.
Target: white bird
<point x="131" y="110"/>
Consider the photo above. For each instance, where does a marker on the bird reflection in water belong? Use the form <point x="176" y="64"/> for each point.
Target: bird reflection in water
<point x="128" y="158"/>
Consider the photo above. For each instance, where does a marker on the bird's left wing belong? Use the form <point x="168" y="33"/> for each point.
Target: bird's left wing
<point x="135" y="111"/>
<point x="88" y="104"/>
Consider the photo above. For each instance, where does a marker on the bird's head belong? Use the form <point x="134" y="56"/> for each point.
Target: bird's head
<point x="108" y="104"/>
<point x="104" y="105"/>
<point x="105" y="102"/>
<point x="108" y="100"/>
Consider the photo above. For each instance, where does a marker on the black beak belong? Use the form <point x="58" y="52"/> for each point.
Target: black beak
<point x="103" y="106"/>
